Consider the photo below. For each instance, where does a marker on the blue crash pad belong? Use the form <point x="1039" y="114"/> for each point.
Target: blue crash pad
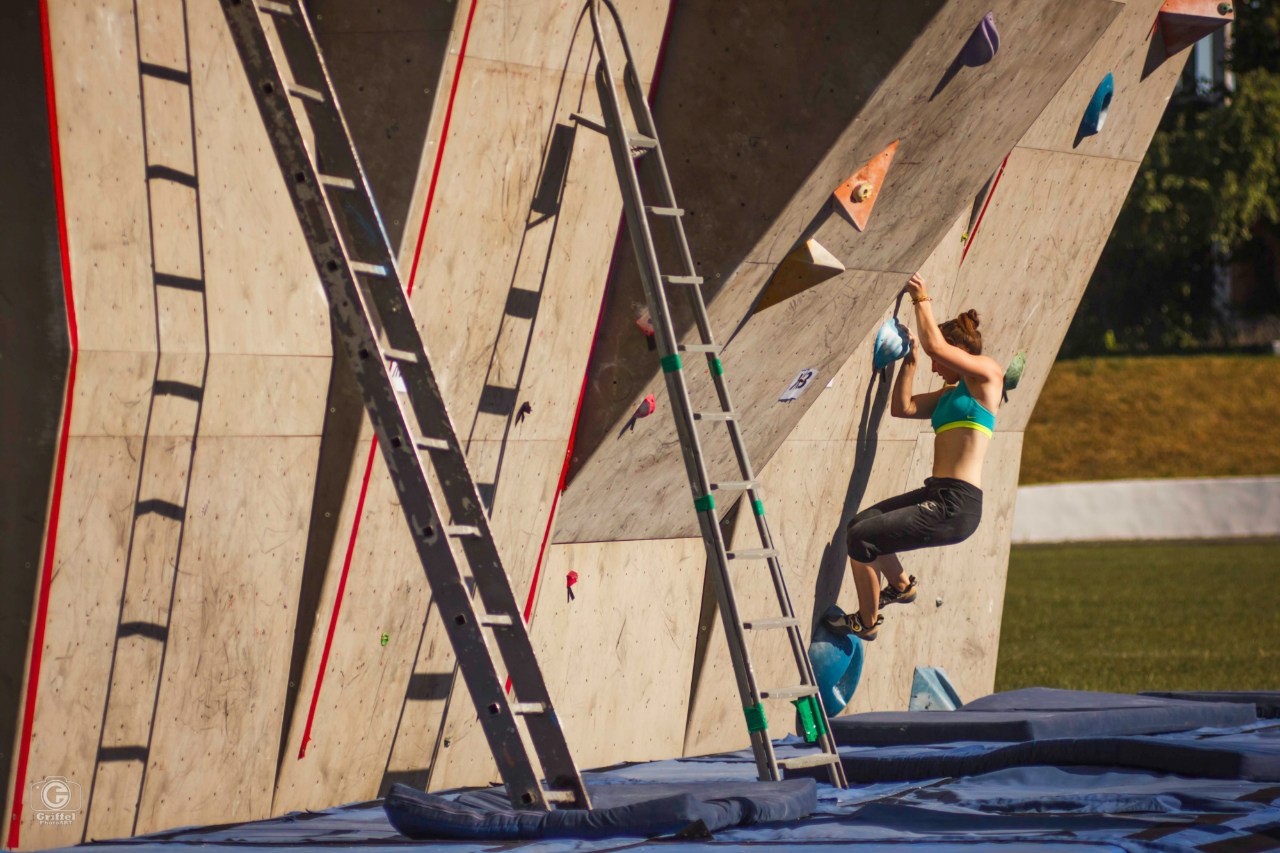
<point x="1039" y="713"/>
<point x="640" y="809"/>
<point x="1266" y="703"/>
<point x="837" y="664"/>
<point x="1218" y="758"/>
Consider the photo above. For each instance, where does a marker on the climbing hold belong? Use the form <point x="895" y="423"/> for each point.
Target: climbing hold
<point x="1184" y="22"/>
<point x="872" y="175"/>
<point x="891" y="344"/>
<point x="837" y="664"/>
<point x="645" y="323"/>
<point x="1013" y="374"/>
<point x="1095" y="115"/>
<point x="982" y="44"/>
<point x="861" y="192"/>
<point x="569" y="580"/>
<point x="647" y="407"/>
<point x="384" y="639"/>
<point x="807" y="265"/>
<point x="932" y="690"/>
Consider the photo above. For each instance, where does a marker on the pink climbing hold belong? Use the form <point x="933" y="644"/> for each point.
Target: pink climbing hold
<point x="647" y="407"/>
<point x="645" y="324"/>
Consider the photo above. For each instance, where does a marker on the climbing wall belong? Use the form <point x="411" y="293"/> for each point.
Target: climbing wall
<point x="952" y="129"/>
<point x="219" y="615"/>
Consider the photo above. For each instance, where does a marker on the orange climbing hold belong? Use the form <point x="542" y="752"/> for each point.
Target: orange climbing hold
<point x="857" y="195"/>
<point x="1184" y="22"/>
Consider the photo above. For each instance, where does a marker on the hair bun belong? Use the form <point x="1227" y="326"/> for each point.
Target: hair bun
<point x="972" y="317"/>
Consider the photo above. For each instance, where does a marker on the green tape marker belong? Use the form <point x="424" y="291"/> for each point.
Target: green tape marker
<point x="755" y="718"/>
<point x="671" y="363"/>
<point x="757" y="506"/>
<point x="717" y="366"/>
<point x="706" y="503"/>
<point x="808" y="722"/>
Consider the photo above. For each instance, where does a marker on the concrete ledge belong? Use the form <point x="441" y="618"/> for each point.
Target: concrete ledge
<point x="1206" y="508"/>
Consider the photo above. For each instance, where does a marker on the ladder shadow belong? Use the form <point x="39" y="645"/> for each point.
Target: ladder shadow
<point x="835" y="556"/>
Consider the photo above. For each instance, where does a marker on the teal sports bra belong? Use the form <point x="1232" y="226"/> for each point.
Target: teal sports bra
<point x="957" y="409"/>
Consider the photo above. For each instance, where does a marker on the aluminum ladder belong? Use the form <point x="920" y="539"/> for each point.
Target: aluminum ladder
<point x="643" y="146"/>
<point x="371" y="317"/>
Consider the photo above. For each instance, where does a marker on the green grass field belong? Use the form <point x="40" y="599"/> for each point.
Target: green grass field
<point x="1130" y="617"/>
<point x="1175" y="416"/>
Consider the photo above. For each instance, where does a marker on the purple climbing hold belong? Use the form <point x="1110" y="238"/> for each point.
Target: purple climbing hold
<point x="982" y="45"/>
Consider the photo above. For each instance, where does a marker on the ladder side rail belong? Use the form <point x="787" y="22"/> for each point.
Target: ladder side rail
<point x="353" y="327"/>
<point x="640" y="108"/>
<point x="333" y="139"/>
<point x="637" y="224"/>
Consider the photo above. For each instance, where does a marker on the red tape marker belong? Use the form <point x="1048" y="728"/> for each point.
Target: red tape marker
<point x="55" y="503"/>
<point x="373" y="449"/>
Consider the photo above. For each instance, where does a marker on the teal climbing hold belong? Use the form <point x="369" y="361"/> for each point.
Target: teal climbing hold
<point x="1095" y="115"/>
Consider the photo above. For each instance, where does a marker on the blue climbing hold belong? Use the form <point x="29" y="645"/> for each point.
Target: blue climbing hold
<point x="837" y="664"/>
<point x="931" y="690"/>
<point x="982" y="44"/>
<point x="1095" y="115"/>
<point x="892" y="344"/>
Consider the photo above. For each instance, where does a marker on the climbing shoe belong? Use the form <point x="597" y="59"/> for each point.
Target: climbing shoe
<point x="891" y="595"/>
<point x="851" y="623"/>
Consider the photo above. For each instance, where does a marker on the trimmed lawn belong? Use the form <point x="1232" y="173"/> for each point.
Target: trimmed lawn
<point x="1134" y="616"/>
<point x="1159" y="416"/>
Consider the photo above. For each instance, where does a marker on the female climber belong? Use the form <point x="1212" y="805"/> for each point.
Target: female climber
<point x="947" y="509"/>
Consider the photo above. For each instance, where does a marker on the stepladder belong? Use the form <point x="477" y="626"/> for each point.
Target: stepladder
<point x="373" y="322"/>
<point x="666" y="266"/>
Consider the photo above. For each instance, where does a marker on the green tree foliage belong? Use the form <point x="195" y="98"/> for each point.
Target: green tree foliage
<point x="1207" y="192"/>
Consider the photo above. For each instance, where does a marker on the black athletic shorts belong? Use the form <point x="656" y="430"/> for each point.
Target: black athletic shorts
<point x="944" y="512"/>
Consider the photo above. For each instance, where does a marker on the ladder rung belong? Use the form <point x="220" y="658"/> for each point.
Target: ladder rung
<point x="639" y="140"/>
<point x="528" y="708"/>
<point x="789" y="692"/>
<point x="714" y="416"/>
<point x="753" y="554"/>
<point x="432" y="444"/>
<point x="401" y="355"/>
<point x="815" y="760"/>
<point x="711" y="348"/>
<point x="560" y="796"/>
<point x="590" y="122"/>
<point x="735" y="485"/>
<point x="273" y="8"/>
<point x="771" y="623"/>
<point x="682" y="279"/>
<point x="665" y="211"/>
<point x="496" y="620"/>
<point x="461" y="531"/>
<point x="367" y="269"/>
<point x="306" y="93"/>
<point x="337" y="183"/>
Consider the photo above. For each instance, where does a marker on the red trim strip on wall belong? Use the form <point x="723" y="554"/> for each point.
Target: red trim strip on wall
<point x="577" y="412"/>
<point x="373" y="447"/>
<point x="985" y="204"/>
<point x="55" y="503"/>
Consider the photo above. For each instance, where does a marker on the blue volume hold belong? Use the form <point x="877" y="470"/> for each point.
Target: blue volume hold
<point x="1095" y="115"/>
<point x="891" y="344"/>
<point x="837" y="665"/>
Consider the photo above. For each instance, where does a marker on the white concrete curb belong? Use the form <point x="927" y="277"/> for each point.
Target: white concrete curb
<point x="1207" y="508"/>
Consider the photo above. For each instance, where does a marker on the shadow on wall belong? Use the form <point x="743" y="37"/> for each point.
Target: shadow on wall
<point x="735" y="158"/>
<point x="835" y="557"/>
